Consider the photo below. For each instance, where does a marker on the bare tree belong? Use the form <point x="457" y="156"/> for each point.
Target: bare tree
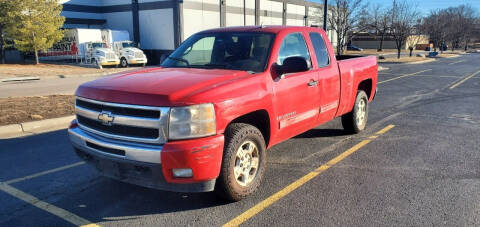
<point x="454" y="25"/>
<point x="466" y="16"/>
<point x="379" y="21"/>
<point x="403" y="18"/>
<point x="344" y="17"/>
<point x="434" y="25"/>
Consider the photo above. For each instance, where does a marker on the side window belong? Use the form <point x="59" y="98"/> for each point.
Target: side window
<point x="201" y="51"/>
<point x="293" y="45"/>
<point x="320" y="49"/>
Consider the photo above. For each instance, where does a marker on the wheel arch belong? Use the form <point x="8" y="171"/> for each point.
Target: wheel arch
<point x="258" y="118"/>
<point x="366" y="86"/>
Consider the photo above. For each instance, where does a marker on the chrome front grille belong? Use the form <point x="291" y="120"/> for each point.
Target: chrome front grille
<point x="145" y="124"/>
<point x="138" y="55"/>
<point x="110" y="56"/>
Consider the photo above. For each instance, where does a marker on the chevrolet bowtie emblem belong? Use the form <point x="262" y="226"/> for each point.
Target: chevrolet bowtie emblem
<point x="106" y="118"/>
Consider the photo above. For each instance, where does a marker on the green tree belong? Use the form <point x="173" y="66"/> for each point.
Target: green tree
<point x="5" y="7"/>
<point x="37" y="24"/>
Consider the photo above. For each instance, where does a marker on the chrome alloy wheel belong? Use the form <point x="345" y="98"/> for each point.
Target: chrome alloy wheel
<point x="246" y="163"/>
<point x="361" y="112"/>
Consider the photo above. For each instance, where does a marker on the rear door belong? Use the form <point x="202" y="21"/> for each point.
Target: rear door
<point x="296" y="95"/>
<point x="328" y="79"/>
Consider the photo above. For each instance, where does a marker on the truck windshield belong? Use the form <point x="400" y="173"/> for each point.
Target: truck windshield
<point x="224" y="50"/>
<point x="98" y="45"/>
<point x="127" y="45"/>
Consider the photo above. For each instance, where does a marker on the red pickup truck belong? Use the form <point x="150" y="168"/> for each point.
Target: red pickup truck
<point x="204" y="120"/>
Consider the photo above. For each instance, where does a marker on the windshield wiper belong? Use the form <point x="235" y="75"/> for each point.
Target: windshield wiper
<point x="216" y="65"/>
<point x="180" y="60"/>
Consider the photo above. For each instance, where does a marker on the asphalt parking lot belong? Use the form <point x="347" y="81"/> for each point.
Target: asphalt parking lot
<point x="417" y="164"/>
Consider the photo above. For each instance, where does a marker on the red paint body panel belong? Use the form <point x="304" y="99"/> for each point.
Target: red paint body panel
<point x="203" y="156"/>
<point x="292" y="106"/>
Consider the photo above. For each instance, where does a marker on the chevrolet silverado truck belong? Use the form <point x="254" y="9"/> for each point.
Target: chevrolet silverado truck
<point x="205" y="118"/>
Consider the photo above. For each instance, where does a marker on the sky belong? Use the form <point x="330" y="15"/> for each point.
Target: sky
<point x="425" y="6"/>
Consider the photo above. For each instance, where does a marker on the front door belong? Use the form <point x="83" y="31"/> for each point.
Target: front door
<point x="296" y="95"/>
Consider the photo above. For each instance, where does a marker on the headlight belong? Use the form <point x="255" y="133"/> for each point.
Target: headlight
<point x="192" y="121"/>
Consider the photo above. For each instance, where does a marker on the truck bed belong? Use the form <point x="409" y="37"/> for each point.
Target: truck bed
<point x="354" y="69"/>
<point x="346" y="57"/>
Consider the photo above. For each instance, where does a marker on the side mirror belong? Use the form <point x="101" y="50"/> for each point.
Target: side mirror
<point x="292" y="65"/>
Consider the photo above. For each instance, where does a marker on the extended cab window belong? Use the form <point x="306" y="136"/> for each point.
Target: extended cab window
<point x="320" y="49"/>
<point x="293" y="45"/>
<point x="246" y="51"/>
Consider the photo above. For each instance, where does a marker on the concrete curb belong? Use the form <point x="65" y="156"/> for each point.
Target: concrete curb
<point x="381" y="68"/>
<point x="34" y="127"/>
<point x="21" y="78"/>
<point x="420" y="62"/>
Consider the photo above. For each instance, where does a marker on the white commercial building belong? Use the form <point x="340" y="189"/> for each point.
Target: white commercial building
<point x="160" y="26"/>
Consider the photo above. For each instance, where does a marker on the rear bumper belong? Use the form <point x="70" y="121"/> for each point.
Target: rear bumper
<point x="151" y="166"/>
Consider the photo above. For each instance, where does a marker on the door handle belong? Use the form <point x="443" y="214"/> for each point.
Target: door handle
<point x="313" y="83"/>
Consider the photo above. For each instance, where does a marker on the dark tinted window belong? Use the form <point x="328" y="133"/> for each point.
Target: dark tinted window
<point x="293" y="45"/>
<point x="320" y="49"/>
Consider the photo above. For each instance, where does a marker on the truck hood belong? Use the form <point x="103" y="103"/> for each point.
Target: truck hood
<point x="157" y="86"/>
<point x="106" y="50"/>
<point x="132" y="49"/>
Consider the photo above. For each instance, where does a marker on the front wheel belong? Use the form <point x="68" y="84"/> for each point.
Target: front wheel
<point x="99" y="66"/>
<point x="356" y="121"/>
<point x="243" y="163"/>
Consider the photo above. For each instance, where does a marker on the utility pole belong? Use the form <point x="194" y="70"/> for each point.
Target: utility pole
<point x="325" y="14"/>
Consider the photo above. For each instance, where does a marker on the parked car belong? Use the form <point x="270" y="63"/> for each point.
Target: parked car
<point x="204" y="120"/>
<point x="354" y="48"/>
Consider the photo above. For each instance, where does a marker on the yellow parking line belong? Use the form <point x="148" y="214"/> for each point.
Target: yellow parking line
<point x="59" y="212"/>
<point x="384" y="130"/>
<point x="287" y="190"/>
<point x="411" y="74"/>
<point x="44" y="173"/>
<point x="465" y="79"/>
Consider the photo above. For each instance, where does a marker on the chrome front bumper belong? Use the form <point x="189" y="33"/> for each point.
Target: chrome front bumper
<point x="133" y="151"/>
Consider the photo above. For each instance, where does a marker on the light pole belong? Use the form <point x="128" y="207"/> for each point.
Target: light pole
<point x="325" y="14"/>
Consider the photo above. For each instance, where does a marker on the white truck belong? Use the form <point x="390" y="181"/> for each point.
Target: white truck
<point x="88" y="44"/>
<point x="100" y="55"/>
<point x="127" y="50"/>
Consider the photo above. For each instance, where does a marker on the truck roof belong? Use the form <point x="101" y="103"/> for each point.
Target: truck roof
<point x="264" y="28"/>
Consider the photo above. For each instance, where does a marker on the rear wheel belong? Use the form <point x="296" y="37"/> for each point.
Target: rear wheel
<point x="123" y="63"/>
<point x="356" y="121"/>
<point x="243" y="163"/>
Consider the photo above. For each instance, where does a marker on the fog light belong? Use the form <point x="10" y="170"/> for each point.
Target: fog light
<point x="184" y="173"/>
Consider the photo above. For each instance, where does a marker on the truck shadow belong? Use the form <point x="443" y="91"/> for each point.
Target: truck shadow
<point x="117" y="201"/>
<point x="320" y="133"/>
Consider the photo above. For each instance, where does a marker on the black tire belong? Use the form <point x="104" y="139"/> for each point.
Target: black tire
<point x="349" y="120"/>
<point x="123" y="63"/>
<point x="228" y="186"/>
<point x="99" y="66"/>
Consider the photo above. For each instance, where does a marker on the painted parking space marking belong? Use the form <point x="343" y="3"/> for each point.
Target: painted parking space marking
<point x="303" y="180"/>
<point x="57" y="211"/>
<point x="44" y="173"/>
<point x="463" y="80"/>
<point x="452" y="63"/>
<point x="406" y="75"/>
